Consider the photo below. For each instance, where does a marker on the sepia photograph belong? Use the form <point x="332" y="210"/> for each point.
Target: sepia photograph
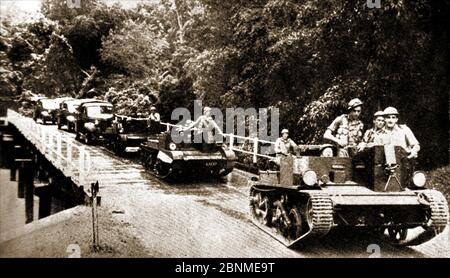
<point x="257" y="130"/>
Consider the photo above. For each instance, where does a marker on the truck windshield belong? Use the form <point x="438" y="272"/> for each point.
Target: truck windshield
<point x="72" y="107"/>
<point x="93" y="111"/>
<point x="49" y="104"/>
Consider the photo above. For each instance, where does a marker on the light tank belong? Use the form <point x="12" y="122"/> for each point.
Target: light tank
<point x="377" y="190"/>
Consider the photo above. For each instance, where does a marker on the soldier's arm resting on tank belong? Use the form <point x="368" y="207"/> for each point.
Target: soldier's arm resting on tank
<point x="332" y="129"/>
<point x="361" y="146"/>
<point x="328" y="135"/>
<point x="412" y="142"/>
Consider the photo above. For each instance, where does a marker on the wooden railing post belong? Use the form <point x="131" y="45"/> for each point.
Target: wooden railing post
<point x="255" y="149"/>
<point x="231" y="141"/>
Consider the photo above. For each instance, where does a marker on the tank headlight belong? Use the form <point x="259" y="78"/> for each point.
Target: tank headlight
<point x="97" y="122"/>
<point x="309" y="177"/>
<point x="172" y="146"/>
<point x="419" y="179"/>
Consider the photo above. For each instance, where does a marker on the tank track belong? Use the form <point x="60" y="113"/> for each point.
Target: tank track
<point x="322" y="214"/>
<point x="437" y="219"/>
<point x="439" y="210"/>
<point x="319" y="209"/>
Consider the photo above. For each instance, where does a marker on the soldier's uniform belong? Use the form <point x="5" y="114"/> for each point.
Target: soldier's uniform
<point x="351" y="132"/>
<point x="374" y="135"/>
<point x="400" y="135"/>
<point x="285" y="146"/>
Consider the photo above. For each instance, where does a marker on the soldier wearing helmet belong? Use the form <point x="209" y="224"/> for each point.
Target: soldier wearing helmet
<point x="373" y="135"/>
<point x="347" y="130"/>
<point x="285" y="145"/>
<point x="399" y="135"/>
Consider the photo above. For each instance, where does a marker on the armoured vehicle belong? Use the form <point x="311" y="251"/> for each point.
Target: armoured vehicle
<point x="45" y="109"/>
<point x="376" y="190"/>
<point x="127" y="132"/>
<point x="165" y="158"/>
<point x="94" y="121"/>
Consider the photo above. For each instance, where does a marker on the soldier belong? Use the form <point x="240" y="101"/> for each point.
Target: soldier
<point x="399" y="135"/>
<point x="346" y="130"/>
<point x="285" y="145"/>
<point x="154" y="120"/>
<point x="154" y="116"/>
<point x="206" y="124"/>
<point x="373" y="135"/>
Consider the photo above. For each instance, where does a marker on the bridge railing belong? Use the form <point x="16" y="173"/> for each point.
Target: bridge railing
<point x="246" y="145"/>
<point x="72" y="159"/>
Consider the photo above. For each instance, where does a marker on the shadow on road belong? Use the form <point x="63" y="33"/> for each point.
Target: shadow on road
<point x="348" y="243"/>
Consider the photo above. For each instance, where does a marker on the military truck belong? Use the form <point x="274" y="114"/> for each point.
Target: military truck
<point x="94" y="121"/>
<point x="44" y="110"/>
<point x="127" y="133"/>
<point x="377" y="190"/>
<point x="164" y="158"/>
<point x="66" y="115"/>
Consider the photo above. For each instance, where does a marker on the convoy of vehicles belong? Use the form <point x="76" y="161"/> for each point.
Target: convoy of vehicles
<point x="307" y="195"/>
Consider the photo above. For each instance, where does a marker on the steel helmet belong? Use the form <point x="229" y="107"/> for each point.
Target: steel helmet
<point x="390" y="111"/>
<point x="354" y="103"/>
<point x="152" y="108"/>
<point x="284" y="131"/>
<point x="378" y="114"/>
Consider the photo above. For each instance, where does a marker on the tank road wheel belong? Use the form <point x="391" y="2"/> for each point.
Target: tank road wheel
<point x="162" y="170"/>
<point x="295" y="228"/>
<point x="260" y="207"/>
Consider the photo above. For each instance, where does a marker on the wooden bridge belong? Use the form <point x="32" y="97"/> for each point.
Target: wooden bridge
<point x="72" y="159"/>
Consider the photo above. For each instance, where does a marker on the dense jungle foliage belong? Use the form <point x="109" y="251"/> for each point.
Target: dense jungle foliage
<point x="305" y="57"/>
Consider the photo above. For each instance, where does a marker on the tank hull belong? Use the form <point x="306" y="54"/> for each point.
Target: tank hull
<point x="347" y="206"/>
<point x="181" y="163"/>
